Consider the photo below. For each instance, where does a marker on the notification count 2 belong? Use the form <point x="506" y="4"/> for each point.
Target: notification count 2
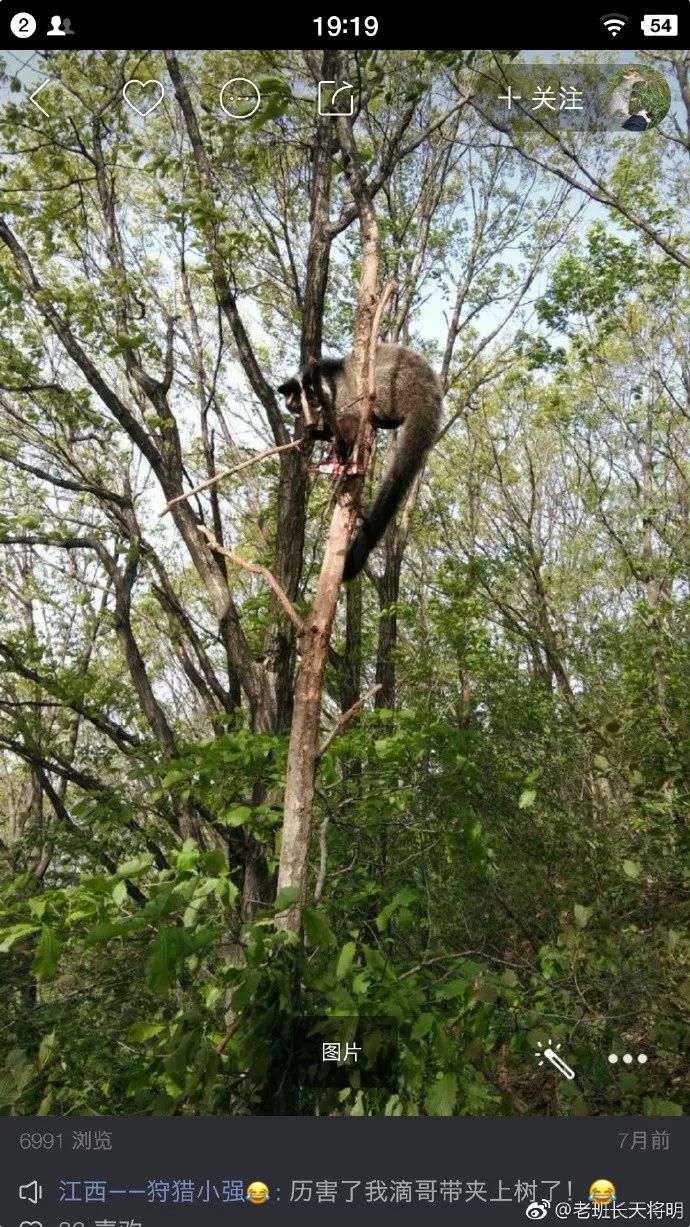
<point x="23" y="25"/>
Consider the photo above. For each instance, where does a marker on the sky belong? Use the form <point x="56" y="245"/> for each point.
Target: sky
<point x="32" y="67"/>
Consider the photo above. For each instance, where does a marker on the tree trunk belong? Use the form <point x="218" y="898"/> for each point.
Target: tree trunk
<point x="351" y="672"/>
<point x="304" y="734"/>
<point x="388" y="594"/>
<point x="280" y="652"/>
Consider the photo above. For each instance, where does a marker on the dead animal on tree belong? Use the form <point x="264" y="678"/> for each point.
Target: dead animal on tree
<point x="408" y="395"/>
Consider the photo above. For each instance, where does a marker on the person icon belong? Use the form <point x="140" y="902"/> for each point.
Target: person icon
<point x="67" y="25"/>
<point x="56" y="30"/>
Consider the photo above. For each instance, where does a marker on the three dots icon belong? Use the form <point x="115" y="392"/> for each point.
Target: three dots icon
<point x="628" y="1058"/>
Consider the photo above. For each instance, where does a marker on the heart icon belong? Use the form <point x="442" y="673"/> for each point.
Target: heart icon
<point x="138" y="88"/>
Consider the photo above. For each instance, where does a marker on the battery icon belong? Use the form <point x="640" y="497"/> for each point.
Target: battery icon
<point x="660" y="25"/>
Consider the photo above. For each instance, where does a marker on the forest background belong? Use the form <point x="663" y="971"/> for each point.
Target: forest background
<point x="499" y="849"/>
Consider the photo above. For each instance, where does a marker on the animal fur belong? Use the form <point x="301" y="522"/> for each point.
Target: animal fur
<point x="408" y="397"/>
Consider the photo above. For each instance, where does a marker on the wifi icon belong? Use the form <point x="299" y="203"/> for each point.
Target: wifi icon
<point x="614" y="22"/>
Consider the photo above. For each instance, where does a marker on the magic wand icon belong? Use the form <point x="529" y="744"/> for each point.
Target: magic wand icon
<point x="558" y="1063"/>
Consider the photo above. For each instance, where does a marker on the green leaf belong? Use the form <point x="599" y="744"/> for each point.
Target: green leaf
<point x="214" y="862"/>
<point x="601" y="763"/>
<point x="120" y="894"/>
<point x="662" y="1107"/>
<point x="441" y="1096"/>
<point x="187" y="858"/>
<point x="400" y="900"/>
<point x="141" y="1031"/>
<point x="316" y="929"/>
<point x="104" y="930"/>
<point x="422" y="1026"/>
<point x="14" y="934"/>
<point x="345" y="960"/>
<point x="47" y="1047"/>
<point x="582" y="915"/>
<point x="135" y="868"/>
<point x="47" y="954"/>
<point x="163" y="960"/>
<point x="236" y="817"/>
<point x="286" y="897"/>
<point x="631" y="869"/>
<point x="527" y="798"/>
<point x="456" y="988"/>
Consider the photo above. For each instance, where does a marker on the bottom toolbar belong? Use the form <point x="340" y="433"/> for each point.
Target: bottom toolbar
<point x="143" y="1172"/>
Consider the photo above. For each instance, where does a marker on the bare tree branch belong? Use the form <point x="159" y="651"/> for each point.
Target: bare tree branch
<point x="256" y="569"/>
<point x="347" y="717"/>
<point x="271" y="451"/>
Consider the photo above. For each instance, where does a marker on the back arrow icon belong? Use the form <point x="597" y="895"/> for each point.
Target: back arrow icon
<point x="33" y="98"/>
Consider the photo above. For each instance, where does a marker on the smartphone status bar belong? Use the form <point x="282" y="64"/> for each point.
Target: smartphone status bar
<point x="65" y="24"/>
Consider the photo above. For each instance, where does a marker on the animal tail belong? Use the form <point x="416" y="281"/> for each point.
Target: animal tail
<point x="415" y="439"/>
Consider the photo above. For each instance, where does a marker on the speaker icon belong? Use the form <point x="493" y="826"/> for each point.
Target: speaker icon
<point x="32" y="1192"/>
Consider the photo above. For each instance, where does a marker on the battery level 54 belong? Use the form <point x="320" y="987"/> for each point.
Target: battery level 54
<point x="660" y="25"/>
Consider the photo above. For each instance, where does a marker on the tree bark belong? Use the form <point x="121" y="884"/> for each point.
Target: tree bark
<point x="280" y="653"/>
<point x="388" y="587"/>
<point x="351" y="669"/>
<point x="304" y="734"/>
